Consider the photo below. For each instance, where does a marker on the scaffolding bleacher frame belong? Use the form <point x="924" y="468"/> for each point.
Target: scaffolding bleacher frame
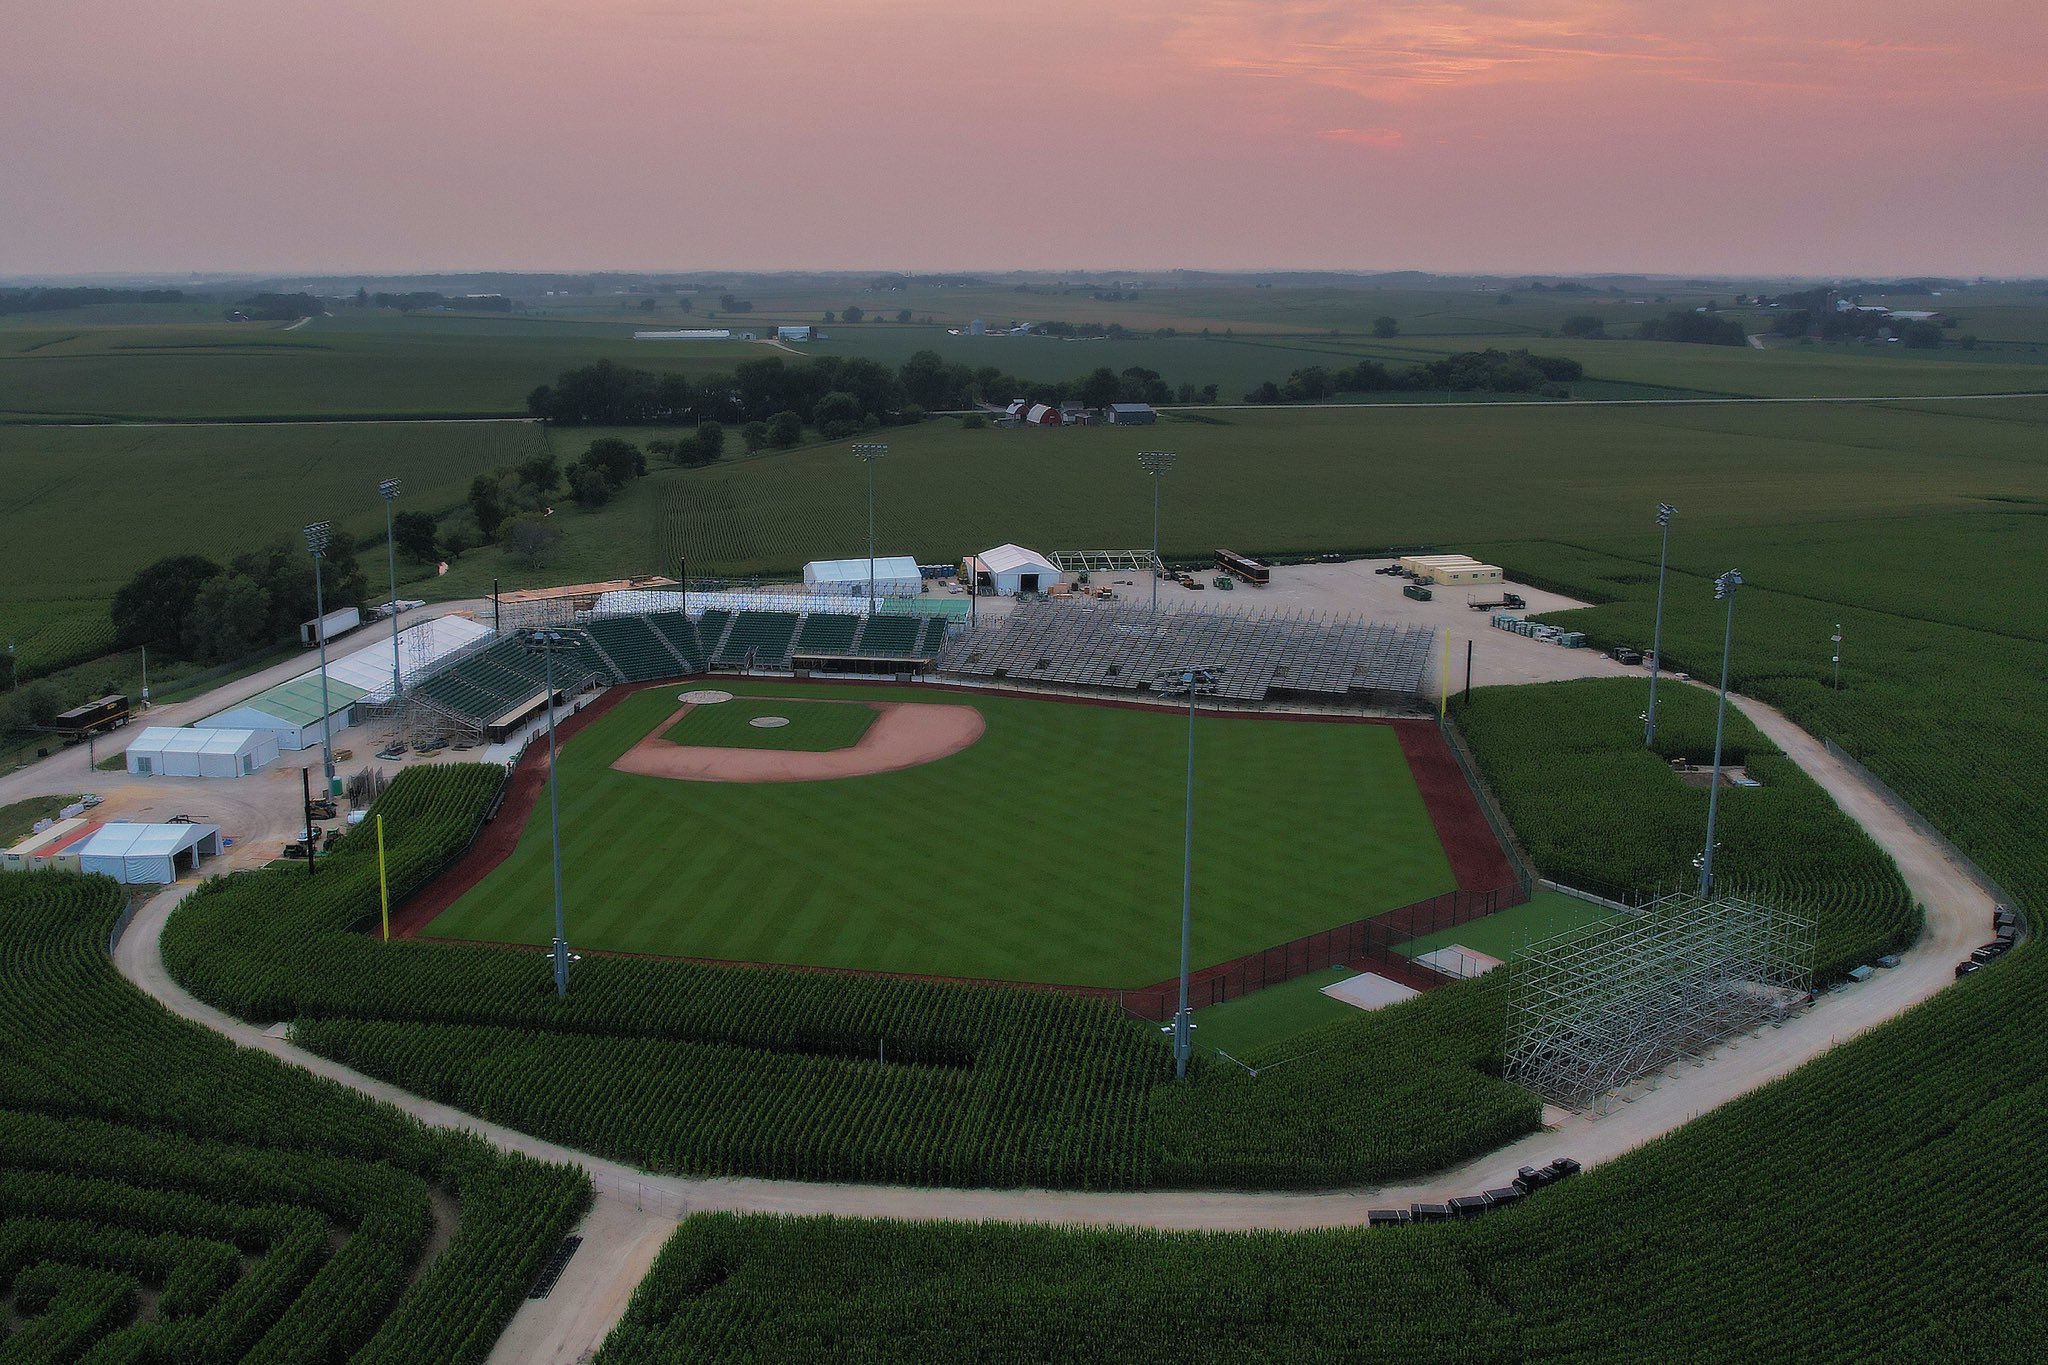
<point x="1107" y="561"/>
<point x="1595" y="1009"/>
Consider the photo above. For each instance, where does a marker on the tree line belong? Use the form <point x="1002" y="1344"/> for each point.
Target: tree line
<point x="52" y="300"/>
<point x="1488" y="371"/>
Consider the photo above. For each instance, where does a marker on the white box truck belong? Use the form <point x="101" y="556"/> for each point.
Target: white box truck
<point x="327" y="627"/>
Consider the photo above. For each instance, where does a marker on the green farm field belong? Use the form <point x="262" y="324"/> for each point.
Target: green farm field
<point x="992" y="863"/>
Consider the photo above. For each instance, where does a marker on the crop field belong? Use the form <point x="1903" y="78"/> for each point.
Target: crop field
<point x="1303" y="481"/>
<point x="87" y="507"/>
<point x="166" y="1195"/>
<point x="998" y="862"/>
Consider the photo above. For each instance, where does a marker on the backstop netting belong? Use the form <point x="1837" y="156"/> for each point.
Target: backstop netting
<point x="1592" y="1010"/>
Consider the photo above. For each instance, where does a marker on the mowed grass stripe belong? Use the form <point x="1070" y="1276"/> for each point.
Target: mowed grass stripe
<point x="814" y="726"/>
<point x="1047" y="851"/>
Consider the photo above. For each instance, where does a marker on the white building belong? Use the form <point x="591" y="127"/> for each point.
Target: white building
<point x="795" y="334"/>
<point x="166" y="751"/>
<point x="1010" y="569"/>
<point x="686" y="334"/>
<point x="148" y="855"/>
<point x="895" y="576"/>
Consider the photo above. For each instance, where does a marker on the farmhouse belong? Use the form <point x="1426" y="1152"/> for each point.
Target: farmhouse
<point x="894" y="576"/>
<point x="1008" y="570"/>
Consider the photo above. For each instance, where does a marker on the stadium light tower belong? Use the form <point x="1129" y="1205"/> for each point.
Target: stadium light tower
<point x="1665" y="512"/>
<point x="547" y="644"/>
<point x="1194" y="682"/>
<point x="388" y="490"/>
<point x="867" y="455"/>
<point x="1837" y="639"/>
<point x="1156" y="463"/>
<point x="1724" y="587"/>
<point x="318" y="536"/>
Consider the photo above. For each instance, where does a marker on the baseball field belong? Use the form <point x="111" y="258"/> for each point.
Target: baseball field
<point x="1007" y="837"/>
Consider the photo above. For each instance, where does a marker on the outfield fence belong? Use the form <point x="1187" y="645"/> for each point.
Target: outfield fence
<point x="1371" y="944"/>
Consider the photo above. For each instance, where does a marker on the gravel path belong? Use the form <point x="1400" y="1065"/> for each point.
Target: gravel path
<point x="636" y="1207"/>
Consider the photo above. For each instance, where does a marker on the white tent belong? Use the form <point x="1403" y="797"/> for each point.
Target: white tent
<point x="166" y="751"/>
<point x="1011" y="569"/>
<point x="895" y="576"/>
<point x="148" y="855"/>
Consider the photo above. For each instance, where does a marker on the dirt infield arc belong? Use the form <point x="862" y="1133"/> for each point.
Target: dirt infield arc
<point x="905" y="734"/>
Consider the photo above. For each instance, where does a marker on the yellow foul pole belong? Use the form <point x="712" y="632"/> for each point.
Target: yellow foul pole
<point x="383" y="884"/>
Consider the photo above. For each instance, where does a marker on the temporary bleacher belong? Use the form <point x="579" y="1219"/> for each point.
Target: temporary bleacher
<point x="636" y="651"/>
<point x="1256" y="656"/>
<point x="491" y="688"/>
<point x="680" y="632"/>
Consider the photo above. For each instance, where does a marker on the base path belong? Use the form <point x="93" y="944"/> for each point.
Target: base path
<point x="601" y="1277"/>
<point x="904" y="735"/>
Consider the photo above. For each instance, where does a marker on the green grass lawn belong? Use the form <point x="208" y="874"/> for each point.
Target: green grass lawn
<point x="18" y="821"/>
<point x="814" y="726"/>
<point x="1048" y="851"/>
<point x="1256" y="1022"/>
<point x="1507" y="934"/>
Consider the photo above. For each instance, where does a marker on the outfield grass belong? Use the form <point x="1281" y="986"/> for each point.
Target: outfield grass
<point x="1258" y="1021"/>
<point x="1507" y="934"/>
<point x="814" y="726"/>
<point x="1048" y="851"/>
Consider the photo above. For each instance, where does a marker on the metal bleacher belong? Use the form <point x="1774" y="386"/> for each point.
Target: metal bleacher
<point x="827" y="633"/>
<point x="891" y="635"/>
<point x="759" y="639"/>
<point x="1257" y="655"/>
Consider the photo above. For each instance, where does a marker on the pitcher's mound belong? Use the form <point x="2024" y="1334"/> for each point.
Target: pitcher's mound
<point x="769" y="722"/>
<point x="904" y="735"/>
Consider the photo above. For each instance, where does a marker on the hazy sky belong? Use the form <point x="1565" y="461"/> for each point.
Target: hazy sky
<point x="1824" y="136"/>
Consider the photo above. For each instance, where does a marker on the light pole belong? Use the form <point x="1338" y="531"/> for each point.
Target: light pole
<point x="547" y="644"/>
<point x="1837" y="639"/>
<point x="1156" y="463"/>
<point x="318" y="535"/>
<point x="1194" y="682"/>
<point x="388" y="490"/>
<point x="13" y="668"/>
<point x="867" y="455"/>
<point x="1724" y="587"/>
<point x="1664" y="514"/>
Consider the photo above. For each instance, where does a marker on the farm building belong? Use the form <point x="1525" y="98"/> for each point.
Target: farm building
<point x="686" y="334"/>
<point x="292" y="710"/>
<point x="1041" y="415"/>
<point x="148" y="855"/>
<point x="796" y="334"/>
<point x="1131" y="414"/>
<point x="1008" y="570"/>
<point x="166" y="751"/>
<point x="895" y="576"/>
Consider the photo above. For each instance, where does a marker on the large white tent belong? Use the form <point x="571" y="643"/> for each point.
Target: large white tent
<point x="166" y="751"/>
<point x="895" y="576"/>
<point x="148" y="855"/>
<point x="1011" y="569"/>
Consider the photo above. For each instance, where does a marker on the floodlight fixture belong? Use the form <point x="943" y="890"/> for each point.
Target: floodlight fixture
<point x="1195" y="682"/>
<point x="1156" y="463"/>
<point x="319" y="536"/>
<point x="867" y="453"/>
<point x="1724" y="590"/>
<point x="1665" y="511"/>
<point x="547" y="644"/>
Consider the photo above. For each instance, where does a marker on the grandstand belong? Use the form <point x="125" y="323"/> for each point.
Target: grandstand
<point x="1258" y="656"/>
<point x="487" y="690"/>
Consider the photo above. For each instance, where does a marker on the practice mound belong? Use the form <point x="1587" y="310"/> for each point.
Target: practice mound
<point x="886" y="737"/>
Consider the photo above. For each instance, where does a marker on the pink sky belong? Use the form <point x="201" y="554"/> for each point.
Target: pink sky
<point x="1818" y="136"/>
